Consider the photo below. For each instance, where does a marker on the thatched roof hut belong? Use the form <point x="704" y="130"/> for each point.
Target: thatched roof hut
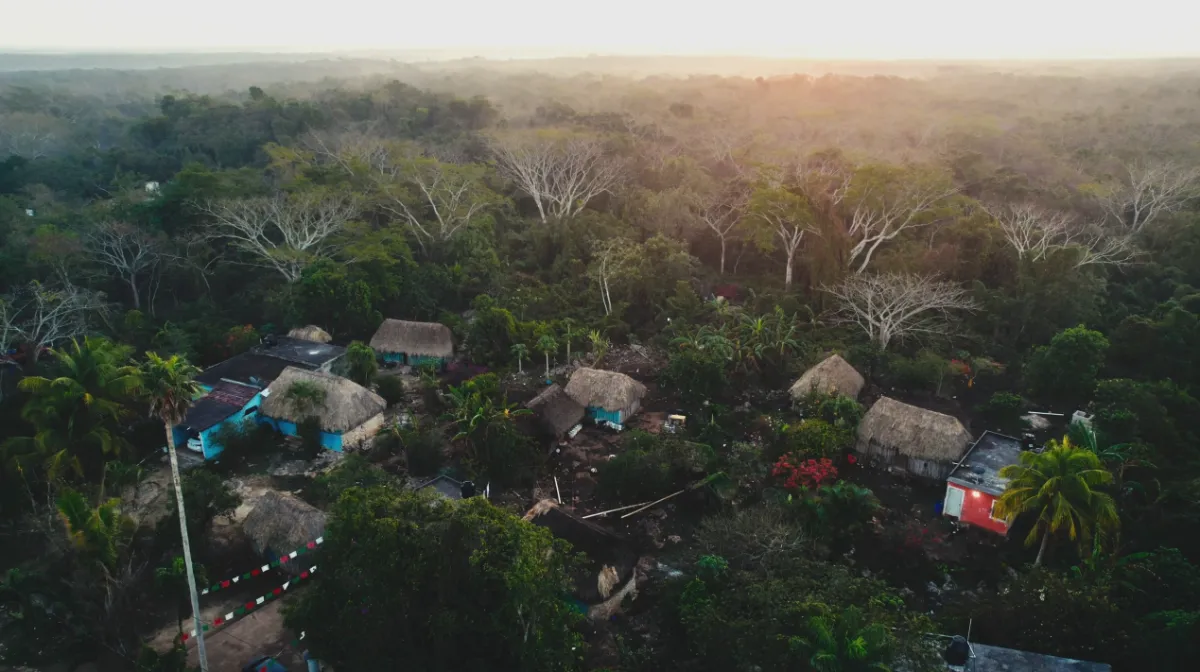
<point x="557" y="411"/>
<point x="280" y="523"/>
<point x="424" y="339"/>
<point x="310" y="333"/>
<point x="923" y="442"/>
<point x="833" y="375"/>
<point x="347" y="404"/>
<point x="608" y="390"/>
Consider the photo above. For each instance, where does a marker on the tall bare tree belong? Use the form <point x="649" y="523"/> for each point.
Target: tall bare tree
<point x="1148" y="189"/>
<point x="777" y="214"/>
<point x="1096" y="245"/>
<point x="561" y="175"/>
<point x="41" y="315"/>
<point x="128" y="251"/>
<point x="614" y="258"/>
<point x="894" y="306"/>
<point x="886" y="201"/>
<point x="436" y="200"/>
<point x="1031" y="230"/>
<point x="720" y="212"/>
<point x="285" y="233"/>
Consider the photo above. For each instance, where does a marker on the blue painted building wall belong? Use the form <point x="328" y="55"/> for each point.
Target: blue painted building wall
<point x="600" y="415"/>
<point x="208" y="437"/>
<point x="329" y="440"/>
<point x="412" y="360"/>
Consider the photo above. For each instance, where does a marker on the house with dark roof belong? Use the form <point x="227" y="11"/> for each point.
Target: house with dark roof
<point x="225" y="402"/>
<point x="232" y="390"/>
<point x="557" y="413"/>
<point x="263" y="363"/>
<point x="975" y="483"/>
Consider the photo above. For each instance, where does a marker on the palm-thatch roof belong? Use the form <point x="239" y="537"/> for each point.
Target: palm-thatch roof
<point x="912" y="431"/>
<point x="557" y="411"/>
<point x="310" y="332"/>
<point x="280" y="523"/>
<point x="426" y="339"/>
<point x="346" y="406"/>
<point x="833" y="375"/>
<point x="609" y="390"/>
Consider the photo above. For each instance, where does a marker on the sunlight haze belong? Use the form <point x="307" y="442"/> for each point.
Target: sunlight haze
<point x="850" y="29"/>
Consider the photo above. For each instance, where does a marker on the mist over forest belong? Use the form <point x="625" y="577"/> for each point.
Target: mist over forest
<point x="985" y="246"/>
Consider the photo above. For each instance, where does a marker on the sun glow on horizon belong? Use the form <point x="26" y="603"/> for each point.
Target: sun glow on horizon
<point x="852" y="29"/>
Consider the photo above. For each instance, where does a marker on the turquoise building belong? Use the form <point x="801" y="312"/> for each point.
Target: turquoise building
<point x="606" y="396"/>
<point x="413" y="343"/>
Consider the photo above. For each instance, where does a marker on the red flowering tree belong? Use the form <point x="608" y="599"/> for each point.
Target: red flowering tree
<point x="807" y="474"/>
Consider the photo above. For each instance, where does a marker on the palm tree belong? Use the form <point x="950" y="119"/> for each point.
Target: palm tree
<point x="569" y="333"/>
<point x="600" y="346"/>
<point x="547" y="345"/>
<point x="305" y="396"/>
<point x="76" y="414"/>
<point x="169" y="387"/>
<point x="1061" y="487"/>
<point x="101" y="532"/>
<point x="844" y="642"/>
<point x="520" y="350"/>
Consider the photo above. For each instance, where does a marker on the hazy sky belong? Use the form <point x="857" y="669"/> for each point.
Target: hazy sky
<point x="822" y="28"/>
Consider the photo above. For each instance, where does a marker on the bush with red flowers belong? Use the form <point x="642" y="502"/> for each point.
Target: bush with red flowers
<point x="808" y="474"/>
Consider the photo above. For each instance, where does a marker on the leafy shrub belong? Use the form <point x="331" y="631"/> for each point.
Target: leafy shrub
<point x="924" y="372"/>
<point x="696" y="375"/>
<point x="391" y="388"/>
<point x="354" y="471"/>
<point x="422" y="447"/>
<point x="1003" y="410"/>
<point x="241" y="441"/>
<point x="651" y="467"/>
<point x="812" y="439"/>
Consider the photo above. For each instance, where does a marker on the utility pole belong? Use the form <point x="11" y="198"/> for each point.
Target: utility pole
<point x="187" y="552"/>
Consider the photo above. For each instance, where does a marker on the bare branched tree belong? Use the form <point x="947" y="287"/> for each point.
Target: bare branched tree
<point x="41" y="315"/>
<point x="30" y="136"/>
<point x="131" y="253"/>
<point x="613" y="257"/>
<point x="885" y="202"/>
<point x="721" y="212"/>
<point x="1097" y="246"/>
<point x="561" y="175"/>
<point x="436" y="200"/>
<point x="1035" y="232"/>
<point x="1029" y="229"/>
<point x="1150" y="189"/>
<point x="285" y="233"/>
<point x="895" y="306"/>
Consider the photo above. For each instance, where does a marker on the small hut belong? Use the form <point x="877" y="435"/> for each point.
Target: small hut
<point x="280" y="523"/>
<point x="833" y="375"/>
<point x="922" y="442"/>
<point x="310" y="333"/>
<point x="349" y="414"/>
<point x="413" y="343"/>
<point x="556" y="411"/>
<point x="607" y="396"/>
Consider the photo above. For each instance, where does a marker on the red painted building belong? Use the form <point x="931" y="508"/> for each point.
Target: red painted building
<point x="975" y="484"/>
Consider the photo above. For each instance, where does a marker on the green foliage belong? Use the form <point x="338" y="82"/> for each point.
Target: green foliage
<point x="924" y="372"/>
<point x="490" y="334"/>
<point x="812" y="439"/>
<point x="309" y="431"/>
<point x="696" y="375"/>
<point x="327" y="294"/>
<point x="76" y="415"/>
<point x="361" y="364"/>
<point x="651" y="466"/>
<point x="355" y="471"/>
<point x="391" y="388"/>
<point x="405" y="584"/>
<point x="205" y="497"/>
<point x="485" y="421"/>
<point x="1067" y="368"/>
<point x="1002" y="411"/>
<point x="99" y="534"/>
<point x="838" y="410"/>
<point x="305" y="396"/>
<point x="242" y="441"/>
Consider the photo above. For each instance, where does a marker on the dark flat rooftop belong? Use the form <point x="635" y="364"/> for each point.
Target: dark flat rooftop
<point x="262" y="364"/>
<point x="444" y="486"/>
<point x="998" y="659"/>
<point x="300" y="351"/>
<point x="980" y="467"/>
